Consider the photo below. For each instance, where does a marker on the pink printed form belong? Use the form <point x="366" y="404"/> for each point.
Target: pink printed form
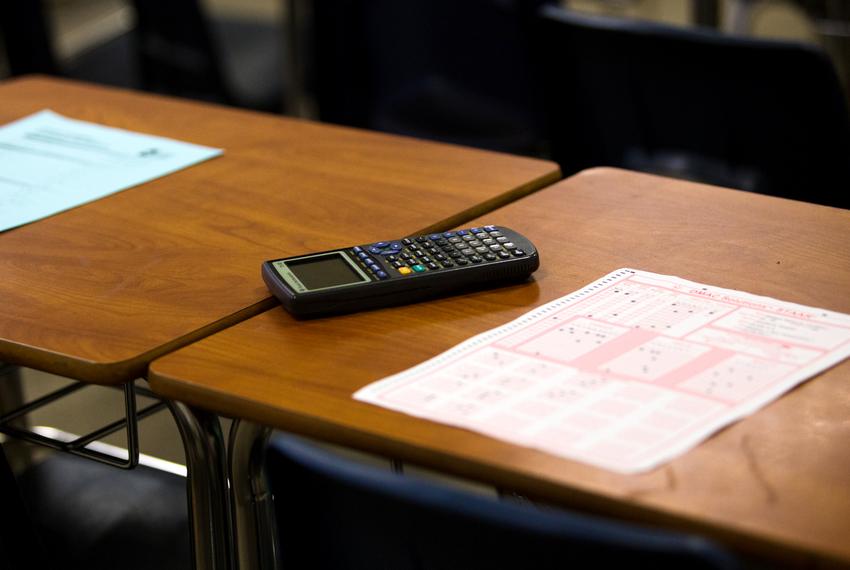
<point x="625" y="373"/>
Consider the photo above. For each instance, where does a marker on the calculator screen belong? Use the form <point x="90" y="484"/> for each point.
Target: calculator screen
<point x="324" y="271"/>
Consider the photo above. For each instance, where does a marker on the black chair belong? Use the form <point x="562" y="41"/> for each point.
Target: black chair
<point x="335" y="514"/>
<point x="176" y="48"/>
<point x="435" y="69"/>
<point x="758" y="115"/>
<point x="20" y="546"/>
<point x="183" y="51"/>
<point x="90" y="516"/>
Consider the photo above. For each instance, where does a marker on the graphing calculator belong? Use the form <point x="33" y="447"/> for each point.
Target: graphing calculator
<point x="400" y="271"/>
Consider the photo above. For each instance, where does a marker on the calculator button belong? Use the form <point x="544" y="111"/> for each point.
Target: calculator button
<point x="490" y="228"/>
<point x="413" y="247"/>
<point x="474" y="243"/>
<point x="440" y="257"/>
<point x="501" y="239"/>
<point x="510" y="245"/>
<point x="495" y="247"/>
<point x="363" y="255"/>
<point x="462" y="232"/>
<point x="421" y="239"/>
<point x="357" y="249"/>
<point x="475" y="230"/>
<point x="454" y="254"/>
<point x="407" y="241"/>
<point x="441" y="242"/>
<point x="468" y="251"/>
<point x="435" y="237"/>
<point x="405" y="270"/>
<point x="391" y="258"/>
<point x="425" y="259"/>
<point x="468" y="237"/>
<point x="489" y="256"/>
<point x="395" y="245"/>
<point x="448" y="234"/>
<point x="504" y="254"/>
<point x="397" y="264"/>
<point x="461" y="261"/>
<point x="488" y="241"/>
<point x="455" y="239"/>
<point x="481" y="249"/>
<point x="418" y="268"/>
<point x="382" y="274"/>
<point x="496" y="234"/>
<point x="406" y="255"/>
<point x="475" y="259"/>
<point x="448" y="264"/>
<point x="518" y="252"/>
<point x="433" y="265"/>
<point x="374" y="249"/>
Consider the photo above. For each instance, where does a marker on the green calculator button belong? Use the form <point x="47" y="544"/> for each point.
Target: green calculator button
<point x="418" y="268"/>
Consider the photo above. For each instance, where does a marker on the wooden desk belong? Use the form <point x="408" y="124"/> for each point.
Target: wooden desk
<point x="775" y="484"/>
<point x="97" y="292"/>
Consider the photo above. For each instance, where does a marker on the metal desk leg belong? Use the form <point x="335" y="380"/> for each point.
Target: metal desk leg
<point x="207" y="486"/>
<point x="256" y="544"/>
<point x="11" y="398"/>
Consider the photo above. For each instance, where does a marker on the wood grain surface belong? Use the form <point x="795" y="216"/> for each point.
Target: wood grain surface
<point x="776" y="484"/>
<point x="95" y="292"/>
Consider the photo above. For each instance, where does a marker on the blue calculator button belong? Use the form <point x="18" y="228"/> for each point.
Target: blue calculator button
<point x="418" y="268"/>
<point x="357" y="249"/>
<point x="382" y="274"/>
<point x="475" y="230"/>
<point x="382" y="244"/>
<point x="374" y="249"/>
<point x="490" y="228"/>
<point x="448" y="234"/>
<point x="396" y="246"/>
<point x="462" y="232"/>
<point x="363" y="255"/>
<point x="434" y="237"/>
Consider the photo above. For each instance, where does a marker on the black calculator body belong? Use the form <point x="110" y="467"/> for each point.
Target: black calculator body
<point x="394" y="272"/>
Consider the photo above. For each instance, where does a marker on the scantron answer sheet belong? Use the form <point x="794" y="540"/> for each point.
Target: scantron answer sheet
<point x="624" y="374"/>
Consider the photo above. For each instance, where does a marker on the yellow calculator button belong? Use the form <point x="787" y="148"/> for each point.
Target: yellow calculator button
<point x="404" y="270"/>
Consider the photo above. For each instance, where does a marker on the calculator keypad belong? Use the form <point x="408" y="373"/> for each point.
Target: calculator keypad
<point x="434" y="252"/>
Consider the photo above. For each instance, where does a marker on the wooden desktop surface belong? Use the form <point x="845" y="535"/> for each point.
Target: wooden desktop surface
<point x="777" y="482"/>
<point x="96" y="292"/>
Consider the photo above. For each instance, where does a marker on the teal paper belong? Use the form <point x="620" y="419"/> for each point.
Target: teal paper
<point x="49" y="163"/>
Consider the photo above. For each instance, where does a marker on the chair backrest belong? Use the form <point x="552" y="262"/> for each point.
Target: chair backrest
<point x="25" y="34"/>
<point x="334" y="513"/>
<point x="438" y="69"/>
<point x="761" y="115"/>
<point x="177" y="52"/>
